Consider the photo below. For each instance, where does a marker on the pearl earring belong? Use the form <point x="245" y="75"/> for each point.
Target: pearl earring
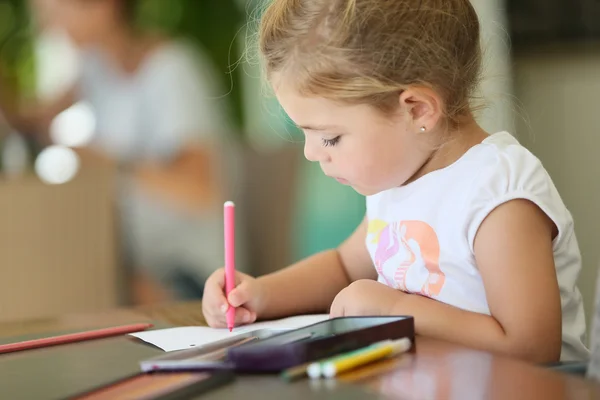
<point x="423" y="129"/>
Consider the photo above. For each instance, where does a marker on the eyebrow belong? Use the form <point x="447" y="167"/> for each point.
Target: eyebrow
<point x="317" y="127"/>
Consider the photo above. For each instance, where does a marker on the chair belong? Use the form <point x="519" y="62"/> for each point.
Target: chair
<point x="58" y="251"/>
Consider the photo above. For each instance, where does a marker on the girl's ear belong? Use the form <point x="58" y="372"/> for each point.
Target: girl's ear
<point x="423" y="106"/>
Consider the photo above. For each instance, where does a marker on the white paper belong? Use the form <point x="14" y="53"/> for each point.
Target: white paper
<point x="193" y="336"/>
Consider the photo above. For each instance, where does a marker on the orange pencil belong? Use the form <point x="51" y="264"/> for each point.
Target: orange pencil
<point x="73" y="337"/>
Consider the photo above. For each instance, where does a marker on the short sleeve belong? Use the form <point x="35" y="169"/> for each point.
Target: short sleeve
<point x="186" y="100"/>
<point x="513" y="173"/>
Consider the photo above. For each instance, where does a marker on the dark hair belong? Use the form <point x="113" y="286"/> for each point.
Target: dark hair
<point x="128" y="9"/>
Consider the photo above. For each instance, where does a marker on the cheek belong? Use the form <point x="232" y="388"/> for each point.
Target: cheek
<point x="373" y="165"/>
<point x="84" y="27"/>
<point x="381" y="168"/>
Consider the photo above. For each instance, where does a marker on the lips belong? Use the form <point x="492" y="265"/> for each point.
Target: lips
<point x="340" y="180"/>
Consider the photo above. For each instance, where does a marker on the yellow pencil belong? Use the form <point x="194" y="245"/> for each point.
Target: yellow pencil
<point x="343" y="363"/>
<point x="315" y="370"/>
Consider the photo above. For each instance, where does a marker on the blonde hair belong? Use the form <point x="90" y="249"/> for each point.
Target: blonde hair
<point x="369" y="51"/>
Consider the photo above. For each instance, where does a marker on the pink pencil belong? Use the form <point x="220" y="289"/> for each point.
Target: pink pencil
<point x="73" y="337"/>
<point x="229" y="211"/>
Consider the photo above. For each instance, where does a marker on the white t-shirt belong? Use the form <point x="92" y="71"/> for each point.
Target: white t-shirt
<point x="173" y="98"/>
<point x="421" y="235"/>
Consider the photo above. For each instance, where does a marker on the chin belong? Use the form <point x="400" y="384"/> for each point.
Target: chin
<point x="80" y="42"/>
<point x="364" y="191"/>
<point x="370" y="190"/>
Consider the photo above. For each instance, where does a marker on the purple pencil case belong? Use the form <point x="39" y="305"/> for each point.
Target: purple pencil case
<point x="321" y="340"/>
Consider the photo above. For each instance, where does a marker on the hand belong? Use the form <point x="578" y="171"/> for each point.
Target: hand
<point x="365" y="297"/>
<point x="92" y="157"/>
<point x="247" y="297"/>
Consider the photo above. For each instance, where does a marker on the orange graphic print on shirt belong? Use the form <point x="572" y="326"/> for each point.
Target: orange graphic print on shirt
<point x="407" y="248"/>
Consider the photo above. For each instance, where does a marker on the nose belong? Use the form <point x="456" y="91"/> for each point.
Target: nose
<point x="314" y="152"/>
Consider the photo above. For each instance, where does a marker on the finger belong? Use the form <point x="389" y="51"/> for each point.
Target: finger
<point x="217" y="322"/>
<point x="218" y="277"/>
<point x="208" y="313"/>
<point x="214" y="305"/>
<point x="216" y="302"/>
<point x="214" y="296"/>
<point x="216" y="318"/>
<point x="336" y="310"/>
<point x="244" y="316"/>
<point x="240" y="295"/>
<point x="239" y="277"/>
<point x="336" y="313"/>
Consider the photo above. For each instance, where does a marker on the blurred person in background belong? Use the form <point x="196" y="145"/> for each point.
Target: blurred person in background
<point x="160" y="122"/>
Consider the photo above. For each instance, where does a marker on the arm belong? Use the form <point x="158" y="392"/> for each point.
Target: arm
<point x="312" y="284"/>
<point x="188" y="181"/>
<point x="513" y="249"/>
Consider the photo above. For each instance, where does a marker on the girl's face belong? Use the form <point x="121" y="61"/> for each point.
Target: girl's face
<point x="357" y="145"/>
<point x="86" y="21"/>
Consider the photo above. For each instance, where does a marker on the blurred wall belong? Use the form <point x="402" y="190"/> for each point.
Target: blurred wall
<point x="558" y="88"/>
<point x="546" y="96"/>
<point x="496" y="91"/>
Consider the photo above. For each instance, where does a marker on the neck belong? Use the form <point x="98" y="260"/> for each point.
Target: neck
<point x="452" y="146"/>
<point x="125" y="47"/>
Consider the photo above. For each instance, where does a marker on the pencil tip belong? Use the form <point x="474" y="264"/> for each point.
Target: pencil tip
<point x="230" y="330"/>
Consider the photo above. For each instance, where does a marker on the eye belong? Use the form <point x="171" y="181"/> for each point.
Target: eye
<point x="331" y="142"/>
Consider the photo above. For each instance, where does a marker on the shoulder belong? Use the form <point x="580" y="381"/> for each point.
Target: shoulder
<point x="507" y="171"/>
<point x="180" y="56"/>
<point x="506" y="168"/>
<point x="183" y="69"/>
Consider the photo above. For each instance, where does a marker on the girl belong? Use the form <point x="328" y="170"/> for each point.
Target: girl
<point x="464" y="230"/>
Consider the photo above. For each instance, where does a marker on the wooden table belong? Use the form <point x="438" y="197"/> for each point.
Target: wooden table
<point x="437" y="370"/>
